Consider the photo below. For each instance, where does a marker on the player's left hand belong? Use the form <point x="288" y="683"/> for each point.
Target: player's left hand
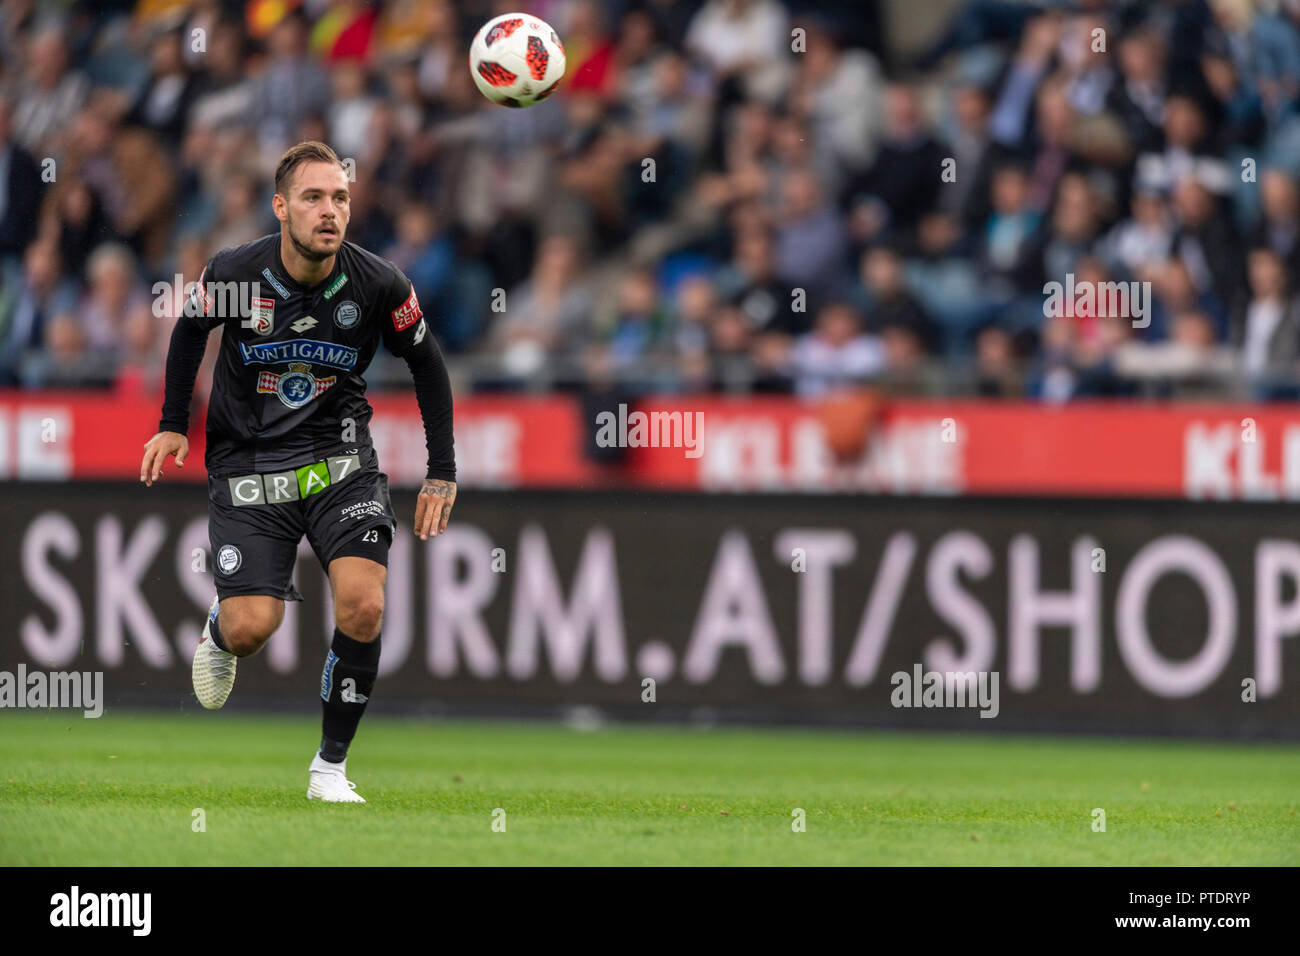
<point x="433" y="507"/>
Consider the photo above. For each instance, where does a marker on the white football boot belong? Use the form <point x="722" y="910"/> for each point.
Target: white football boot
<point x="213" y="671"/>
<point x="329" y="782"/>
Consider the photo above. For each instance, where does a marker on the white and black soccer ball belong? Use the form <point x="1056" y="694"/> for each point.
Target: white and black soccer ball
<point x="516" y="60"/>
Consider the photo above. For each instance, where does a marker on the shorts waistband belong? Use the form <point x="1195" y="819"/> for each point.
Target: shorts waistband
<point x="282" y="487"/>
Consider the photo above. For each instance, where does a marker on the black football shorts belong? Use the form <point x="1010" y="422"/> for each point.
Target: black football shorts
<point x="256" y="521"/>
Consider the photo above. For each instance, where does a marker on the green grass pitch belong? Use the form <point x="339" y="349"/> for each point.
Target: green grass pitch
<point x="122" y="789"/>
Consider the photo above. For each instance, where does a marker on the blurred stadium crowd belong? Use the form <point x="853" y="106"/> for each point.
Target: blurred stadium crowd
<point x="709" y="203"/>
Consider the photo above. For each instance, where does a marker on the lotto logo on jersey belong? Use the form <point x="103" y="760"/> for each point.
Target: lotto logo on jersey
<point x="408" y="313"/>
<point x="261" y="318"/>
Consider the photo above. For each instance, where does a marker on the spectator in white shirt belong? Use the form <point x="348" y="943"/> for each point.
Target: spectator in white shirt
<point x="836" y="353"/>
<point x="51" y="94"/>
<point x="745" y="38"/>
<point x="1267" y="327"/>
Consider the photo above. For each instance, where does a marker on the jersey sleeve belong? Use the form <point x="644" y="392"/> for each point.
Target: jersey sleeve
<point x="201" y="304"/>
<point x="185" y="353"/>
<point x="401" y="316"/>
<point x="406" y="334"/>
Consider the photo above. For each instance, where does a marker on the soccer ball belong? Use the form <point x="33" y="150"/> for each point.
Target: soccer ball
<point x="516" y="60"/>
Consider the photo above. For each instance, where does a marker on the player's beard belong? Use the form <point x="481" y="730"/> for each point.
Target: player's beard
<point x="304" y="248"/>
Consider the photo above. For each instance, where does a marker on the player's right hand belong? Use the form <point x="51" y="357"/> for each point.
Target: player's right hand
<point x="157" y="449"/>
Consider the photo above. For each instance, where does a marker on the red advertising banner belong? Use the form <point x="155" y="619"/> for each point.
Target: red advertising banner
<point x="1140" y="449"/>
<point x="500" y="441"/>
<point x="930" y="447"/>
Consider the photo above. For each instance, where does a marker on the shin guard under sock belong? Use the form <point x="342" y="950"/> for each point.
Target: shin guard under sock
<point x="345" y="685"/>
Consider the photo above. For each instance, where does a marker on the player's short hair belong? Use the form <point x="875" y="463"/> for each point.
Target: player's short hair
<point x="295" y="156"/>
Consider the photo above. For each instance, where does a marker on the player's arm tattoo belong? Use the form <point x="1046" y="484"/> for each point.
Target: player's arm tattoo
<point x="433" y="507"/>
<point x="438" y="488"/>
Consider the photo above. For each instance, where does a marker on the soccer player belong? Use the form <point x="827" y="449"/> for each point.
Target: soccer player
<point x="288" y="447"/>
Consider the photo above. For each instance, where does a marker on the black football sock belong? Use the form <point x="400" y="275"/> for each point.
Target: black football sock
<point x="345" y="685"/>
<point x="214" y="632"/>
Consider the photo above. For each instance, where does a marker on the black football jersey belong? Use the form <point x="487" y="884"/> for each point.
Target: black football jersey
<point x="288" y="387"/>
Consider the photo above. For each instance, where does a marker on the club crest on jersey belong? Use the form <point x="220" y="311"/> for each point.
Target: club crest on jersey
<point x="261" y="318"/>
<point x="408" y="313"/>
<point x="296" y="387"/>
<point x="346" y="314"/>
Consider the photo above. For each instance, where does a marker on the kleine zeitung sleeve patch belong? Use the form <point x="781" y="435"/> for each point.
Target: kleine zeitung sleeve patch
<point x="199" y="302"/>
<point x="408" y="313"/>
